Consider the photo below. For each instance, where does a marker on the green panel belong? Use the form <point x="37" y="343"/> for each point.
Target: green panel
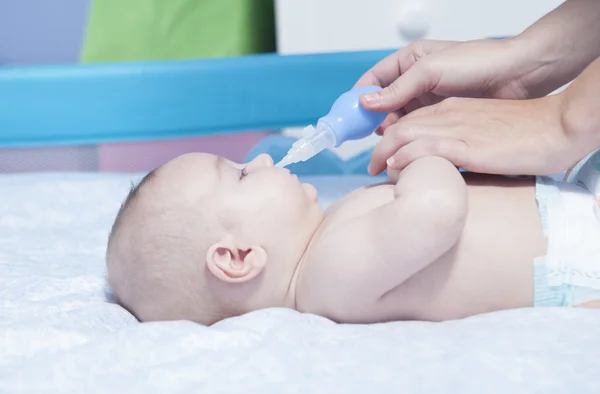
<point x="130" y="30"/>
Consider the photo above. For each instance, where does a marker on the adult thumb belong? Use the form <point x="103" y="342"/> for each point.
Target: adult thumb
<point x="406" y="87"/>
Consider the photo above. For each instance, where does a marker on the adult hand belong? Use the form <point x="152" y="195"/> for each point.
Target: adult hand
<point x="426" y="72"/>
<point x="484" y="135"/>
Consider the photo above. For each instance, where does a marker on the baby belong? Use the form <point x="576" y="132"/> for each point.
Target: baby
<point x="204" y="239"/>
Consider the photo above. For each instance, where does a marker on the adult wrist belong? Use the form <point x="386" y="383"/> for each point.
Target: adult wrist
<point x="580" y="122"/>
<point x="537" y="63"/>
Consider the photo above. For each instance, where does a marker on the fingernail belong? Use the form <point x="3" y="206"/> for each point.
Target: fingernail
<point x="372" y="98"/>
<point x="369" y="168"/>
<point x="390" y="162"/>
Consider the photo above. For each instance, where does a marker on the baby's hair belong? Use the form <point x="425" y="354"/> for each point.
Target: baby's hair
<point x="129" y="199"/>
<point x="131" y="196"/>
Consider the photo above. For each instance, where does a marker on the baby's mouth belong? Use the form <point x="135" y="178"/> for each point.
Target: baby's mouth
<point x="290" y="173"/>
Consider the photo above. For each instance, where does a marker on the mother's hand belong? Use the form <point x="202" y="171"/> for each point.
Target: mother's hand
<point x="426" y="72"/>
<point x="483" y="135"/>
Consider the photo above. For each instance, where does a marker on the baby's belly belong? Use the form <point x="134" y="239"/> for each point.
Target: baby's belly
<point x="490" y="269"/>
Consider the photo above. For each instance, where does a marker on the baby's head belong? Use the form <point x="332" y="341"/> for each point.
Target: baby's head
<point x="203" y="239"/>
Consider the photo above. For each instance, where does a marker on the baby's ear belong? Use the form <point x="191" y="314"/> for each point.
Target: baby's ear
<point x="234" y="264"/>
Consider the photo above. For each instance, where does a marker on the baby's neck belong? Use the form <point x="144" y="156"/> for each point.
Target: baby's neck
<point x="290" y="299"/>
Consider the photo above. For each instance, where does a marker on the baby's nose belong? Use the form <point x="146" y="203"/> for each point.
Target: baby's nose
<point x="263" y="160"/>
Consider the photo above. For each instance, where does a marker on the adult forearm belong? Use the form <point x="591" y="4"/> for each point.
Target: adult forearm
<point x="581" y="108"/>
<point x="562" y="44"/>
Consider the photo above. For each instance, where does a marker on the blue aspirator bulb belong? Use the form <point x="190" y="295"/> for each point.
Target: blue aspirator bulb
<point x="347" y="120"/>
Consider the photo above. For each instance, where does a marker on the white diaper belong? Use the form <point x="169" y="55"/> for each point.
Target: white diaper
<point x="573" y="255"/>
<point x="586" y="174"/>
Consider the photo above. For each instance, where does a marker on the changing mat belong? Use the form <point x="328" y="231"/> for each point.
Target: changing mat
<point x="59" y="332"/>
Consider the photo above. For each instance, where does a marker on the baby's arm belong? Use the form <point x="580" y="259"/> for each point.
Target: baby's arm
<point x="397" y="240"/>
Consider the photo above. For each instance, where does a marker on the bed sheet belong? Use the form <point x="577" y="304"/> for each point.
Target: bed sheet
<point x="59" y="332"/>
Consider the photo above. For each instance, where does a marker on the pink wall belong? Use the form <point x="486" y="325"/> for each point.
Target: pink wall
<point x="45" y="159"/>
<point x="123" y="157"/>
<point x="145" y="156"/>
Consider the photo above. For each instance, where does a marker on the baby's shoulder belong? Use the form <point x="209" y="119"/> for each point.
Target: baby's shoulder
<point x="340" y="226"/>
<point x="359" y="202"/>
<point x="339" y="238"/>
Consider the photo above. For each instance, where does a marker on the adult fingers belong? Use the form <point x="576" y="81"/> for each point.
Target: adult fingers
<point x="389" y="120"/>
<point x="392" y="66"/>
<point x="384" y="72"/>
<point x="414" y="82"/>
<point x="423" y="111"/>
<point x="395" y="116"/>
<point x="395" y="138"/>
<point x="444" y="119"/>
<point x="454" y="150"/>
<point x="448" y="112"/>
<point x="414" y="109"/>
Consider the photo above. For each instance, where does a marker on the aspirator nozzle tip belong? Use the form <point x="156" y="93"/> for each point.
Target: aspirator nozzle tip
<point x="286" y="161"/>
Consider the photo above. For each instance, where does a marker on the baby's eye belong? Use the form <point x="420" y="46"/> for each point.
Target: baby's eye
<point x="243" y="173"/>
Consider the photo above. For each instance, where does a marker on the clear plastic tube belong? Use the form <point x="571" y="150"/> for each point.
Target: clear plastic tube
<point x="347" y="120"/>
<point x="315" y="140"/>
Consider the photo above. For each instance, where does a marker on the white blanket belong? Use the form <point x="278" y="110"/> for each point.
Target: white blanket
<point x="59" y="333"/>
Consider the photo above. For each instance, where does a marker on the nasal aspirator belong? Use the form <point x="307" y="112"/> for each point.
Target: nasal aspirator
<point x="347" y="120"/>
